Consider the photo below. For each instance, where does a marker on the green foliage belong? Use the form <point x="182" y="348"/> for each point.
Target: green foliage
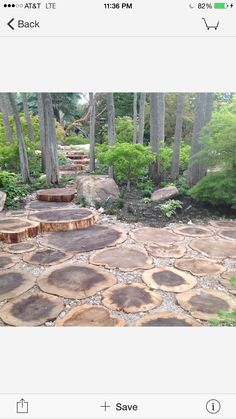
<point x="233" y="281"/>
<point x="14" y="188"/>
<point x="226" y="318"/>
<point x="76" y="140"/>
<point x="147" y="201"/>
<point x="166" y="155"/>
<point x="129" y="161"/>
<point x="182" y="186"/>
<point x="124" y="130"/>
<point x="146" y="185"/>
<point x="216" y="189"/>
<point x="60" y="133"/>
<point x="170" y="207"/>
<point x="62" y="159"/>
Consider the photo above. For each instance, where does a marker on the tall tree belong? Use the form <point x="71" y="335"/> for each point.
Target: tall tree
<point x="92" y="125"/>
<point x="178" y="135"/>
<point x="209" y="107"/>
<point x="196" y="170"/>
<point x="27" y="116"/>
<point x="154" y="139"/>
<point x="161" y="116"/>
<point x="142" y="104"/>
<point x="24" y="166"/>
<point x="48" y="137"/>
<point x="5" y="117"/>
<point x="42" y="130"/>
<point x="135" y="114"/>
<point x="111" y="124"/>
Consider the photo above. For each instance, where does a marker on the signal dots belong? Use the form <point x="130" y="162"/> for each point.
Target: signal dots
<point x="13" y="5"/>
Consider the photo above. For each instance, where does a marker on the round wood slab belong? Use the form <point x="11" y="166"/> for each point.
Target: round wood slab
<point x="193" y="230"/>
<point x="90" y="316"/>
<point x="43" y="205"/>
<point x="14" y="283"/>
<point x="200" y="267"/>
<point x="75" y="281"/>
<point x="7" y="261"/>
<point x="223" y="223"/>
<point x="213" y="248"/>
<point x="227" y="233"/>
<point x="171" y="251"/>
<point x="127" y="259"/>
<point x="166" y="319"/>
<point x="225" y="281"/>
<point x="71" y="168"/>
<point x="79" y="241"/>
<point x="205" y="304"/>
<point x="65" y="220"/>
<point x="131" y="298"/>
<point x="47" y="257"/>
<point x="23" y="247"/>
<point x="169" y="279"/>
<point x="31" y="309"/>
<point x="154" y="235"/>
<point x="16" y="230"/>
<point x="56" y="195"/>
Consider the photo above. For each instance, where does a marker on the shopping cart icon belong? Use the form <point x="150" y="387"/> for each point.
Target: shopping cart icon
<point x="210" y="26"/>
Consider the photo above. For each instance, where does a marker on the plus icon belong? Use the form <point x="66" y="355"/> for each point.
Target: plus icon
<point x="105" y="406"/>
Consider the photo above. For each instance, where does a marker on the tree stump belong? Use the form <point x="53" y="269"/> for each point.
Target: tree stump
<point x="200" y="267"/>
<point x="16" y="230"/>
<point x="166" y="319"/>
<point x="169" y="280"/>
<point x="65" y="220"/>
<point x="71" y="168"/>
<point x="56" y="195"/>
<point x="7" y="261"/>
<point x="75" y="281"/>
<point x="20" y="247"/>
<point x="90" y="316"/>
<point x="154" y="235"/>
<point x="165" y="251"/>
<point x="193" y="230"/>
<point x="131" y="298"/>
<point x="47" y="257"/>
<point x="14" y="283"/>
<point x="213" y="248"/>
<point x="227" y="233"/>
<point x="225" y="281"/>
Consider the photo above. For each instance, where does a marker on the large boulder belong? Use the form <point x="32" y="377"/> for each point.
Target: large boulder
<point x="164" y="193"/>
<point x="3" y="197"/>
<point x="96" y="188"/>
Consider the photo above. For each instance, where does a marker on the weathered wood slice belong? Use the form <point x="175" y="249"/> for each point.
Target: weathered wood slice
<point x="14" y="283"/>
<point x="65" y="220"/>
<point x="223" y="223"/>
<point x="162" y="251"/>
<point x="16" y="230"/>
<point x="225" y="281"/>
<point x="227" y="233"/>
<point x="7" y="261"/>
<point x="131" y="298"/>
<point x="84" y="162"/>
<point x="214" y="248"/>
<point x="205" y="304"/>
<point x="200" y="267"/>
<point x="127" y="259"/>
<point x="48" y="257"/>
<point x="166" y="319"/>
<point x="43" y="205"/>
<point x="56" y="195"/>
<point x="70" y="168"/>
<point x="75" y="156"/>
<point x="78" y="160"/>
<point x="154" y="235"/>
<point x="31" y="309"/>
<point x="23" y="247"/>
<point x="90" y="316"/>
<point x="17" y="213"/>
<point x="75" y="281"/>
<point x="194" y="230"/>
<point x="169" y="279"/>
<point x="79" y="241"/>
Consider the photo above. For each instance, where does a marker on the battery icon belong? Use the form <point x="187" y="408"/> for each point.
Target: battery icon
<point x="221" y="5"/>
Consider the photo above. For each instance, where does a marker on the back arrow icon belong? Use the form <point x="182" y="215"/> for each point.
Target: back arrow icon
<point x="9" y="24"/>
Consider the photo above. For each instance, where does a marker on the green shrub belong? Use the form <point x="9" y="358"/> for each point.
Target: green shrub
<point x="124" y="130"/>
<point x="60" y="133"/>
<point x="170" y="207"/>
<point x="130" y="161"/>
<point x="216" y="189"/>
<point x="146" y="185"/>
<point x="226" y="318"/>
<point x="14" y="188"/>
<point x="182" y="186"/>
<point x="166" y="156"/>
<point x="76" y="140"/>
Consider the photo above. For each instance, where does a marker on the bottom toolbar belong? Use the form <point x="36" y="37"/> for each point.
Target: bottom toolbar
<point x="133" y="406"/>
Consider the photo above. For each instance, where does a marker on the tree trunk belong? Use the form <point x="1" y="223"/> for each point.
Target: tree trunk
<point x="209" y="107"/>
<point x="142" y="104"/>
<point x="178" y="135"/>
<point x="27" y="116"/>
<point x="196" y="170"/>
<point x="161" y="116"/>
<point x="92" y="131"/>
<point x="20" y="136"/>
<point x="49" y="133"/>
<point x="135" y="114"/>
<point x="111" y="124"/>
<point x="5" y="118"/>
<point x="154" y="139"/>
<point x="42" y="130"/>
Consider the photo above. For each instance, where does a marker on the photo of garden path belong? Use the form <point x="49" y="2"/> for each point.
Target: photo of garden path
<point x="117" y="209"/>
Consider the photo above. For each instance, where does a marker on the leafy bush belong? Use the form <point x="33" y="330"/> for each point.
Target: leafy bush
<point x="146" y="185"/>
<point x="129" y="161"/>
<point x="14" y="188"/>
<point x="170" y="207"/>
<point x="76" y="140"/>
<point x="166" y="155"/>
<point x="226" y="318"/>
<point x="60" y="133"/>
<point x="216" y="189"/>
<point x="182" y="186"/>
<point x="124" y="130"/>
